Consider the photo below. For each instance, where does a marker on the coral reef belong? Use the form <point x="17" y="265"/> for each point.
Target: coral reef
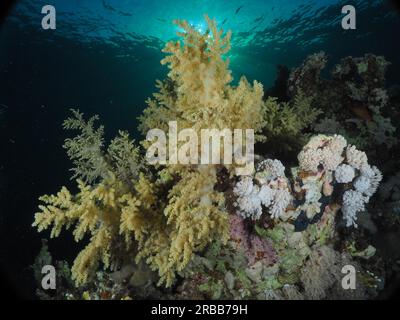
<point x="354" y="100"/>
<point x="201" y="231"/>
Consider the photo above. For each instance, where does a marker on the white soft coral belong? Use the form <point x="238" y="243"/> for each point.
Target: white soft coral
<point x="322" y="150"/>
<point x="282" y="198"/>
<point x="356" y="158"/>
<point x="344" y="173"/>
<point x="271" y="191"/>
<point x="353" y="202"/>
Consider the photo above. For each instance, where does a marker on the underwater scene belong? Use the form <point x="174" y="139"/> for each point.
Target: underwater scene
<point x="200" y="150"/>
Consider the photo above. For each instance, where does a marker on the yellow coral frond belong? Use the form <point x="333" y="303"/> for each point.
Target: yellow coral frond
<point x="95" y="210"/>
<point x="86" y="263"/>
<point x="197" y="214"/>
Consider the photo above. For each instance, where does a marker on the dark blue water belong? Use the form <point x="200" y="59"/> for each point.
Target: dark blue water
<point x="104" y="58"/>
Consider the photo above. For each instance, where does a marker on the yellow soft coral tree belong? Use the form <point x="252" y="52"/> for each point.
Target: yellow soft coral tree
<point x="166" y="216"/>
<point x="110" y="181"/>
<point x="197" y="92"/>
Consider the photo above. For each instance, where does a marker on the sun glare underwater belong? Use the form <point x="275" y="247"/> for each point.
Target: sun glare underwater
<point x="110" y="111"/>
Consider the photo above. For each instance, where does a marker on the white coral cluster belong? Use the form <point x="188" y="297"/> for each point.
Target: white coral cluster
<point x="268" y="189"/>
<point x="271" y="168"/>
<point x="328" y="159"/>
<point x="365" y="185"/>
<point x="322" y="150"/>
<point x="353" y="202"/>
<point x="364" y="178"/>
<point x="249" y="198"/>
<point x="281" y="199"/>
<point x="370" y="179"/>
<point x="348" y="165"/>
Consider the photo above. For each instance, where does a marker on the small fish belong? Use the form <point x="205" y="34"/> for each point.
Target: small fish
<point x="254" y="28"/>
<point x="361" y="112"/>
<point x="223" y="22"/>
<point x="111" y="8"/>
<point x="125" y="14"/>
<point x="161" y="20"/>
<point x="238" y="9"/>
<point x="260" y="18"/>
<point x="107" y="6"/>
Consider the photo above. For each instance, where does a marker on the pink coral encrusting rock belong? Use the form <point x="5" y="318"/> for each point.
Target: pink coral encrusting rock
<point x="254" y="247"/>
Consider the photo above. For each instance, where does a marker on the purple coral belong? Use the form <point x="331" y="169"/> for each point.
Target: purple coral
<point x="261" y="249"/>
<point x="254" y="247"/>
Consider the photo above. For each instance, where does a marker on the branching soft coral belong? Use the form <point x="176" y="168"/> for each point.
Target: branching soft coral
<point x="93" y="210"/>
<point x="164" y="232"/>
<point x="197" y="93"/>
<point x="168" y="235"/>
<point x="284" y="122"/>
<point x="96" y="209"/>
<point x="85" y="149"/>
<point x="106" y="211"/>
<point x="197" y="213"/>
<point x="92" y="162"/>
